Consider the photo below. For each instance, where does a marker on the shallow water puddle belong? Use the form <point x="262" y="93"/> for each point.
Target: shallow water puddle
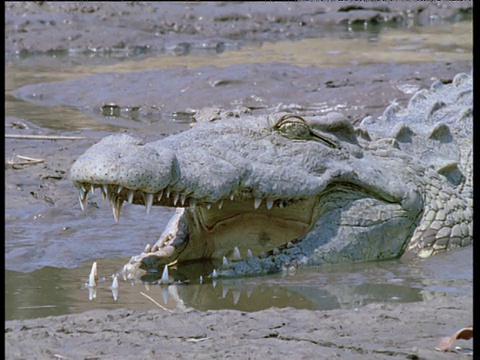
<point x="53" y="291"/>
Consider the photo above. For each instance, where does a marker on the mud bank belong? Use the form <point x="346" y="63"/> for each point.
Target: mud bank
<point x="146" y="28"/>
<point x="377" y="331"/>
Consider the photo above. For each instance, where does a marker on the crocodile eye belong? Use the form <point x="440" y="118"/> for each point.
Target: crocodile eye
<point x="295" y="127"/>
<point x="292" y="127"/>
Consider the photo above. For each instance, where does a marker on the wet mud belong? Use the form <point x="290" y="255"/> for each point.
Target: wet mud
<point x="45" y="228"/>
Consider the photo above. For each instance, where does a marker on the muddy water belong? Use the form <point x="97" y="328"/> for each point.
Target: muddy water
<point x="40" y="282"/>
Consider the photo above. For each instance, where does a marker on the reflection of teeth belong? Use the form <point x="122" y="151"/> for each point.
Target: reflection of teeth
<point x="201" y="279"/>
<point x="224" y="292"/>
<point x="236" y="296"/>
<point x="165" y="295"/>
<point x="92" y="293"/>
<point x="269" y="204"/>
<point x="236" y="254"/>
<point x="115" y="282"/>
<point x="209" y="206"/>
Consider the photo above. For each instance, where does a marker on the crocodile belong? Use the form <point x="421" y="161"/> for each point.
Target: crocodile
<point x="263" y="194"/>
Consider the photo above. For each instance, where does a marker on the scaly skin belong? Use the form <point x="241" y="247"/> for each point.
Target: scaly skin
<point x="265" y="194"/>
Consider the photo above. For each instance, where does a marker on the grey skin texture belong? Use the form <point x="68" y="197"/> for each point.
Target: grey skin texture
<point x="272" y="193"/>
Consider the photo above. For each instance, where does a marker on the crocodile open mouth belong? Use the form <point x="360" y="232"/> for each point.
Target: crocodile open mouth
<point x="237" y="224"/>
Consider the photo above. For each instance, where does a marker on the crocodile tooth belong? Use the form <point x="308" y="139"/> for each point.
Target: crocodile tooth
<point x="214" y="273"/>
<point x="232" y="196"/>
<point x="220" y="204"/>
<point x="209" y="206"/>
<point x="117" y="204"/>
<point x="176" y="195"/>
<point x="92" y="189"/>
<point x="104" y="195"/>
<point x="257" y="203"/>
<point x="167" y="192"/>
<point x="275" y="251"/>
<point x="155" y="248"/>
<point x="182" y="199"/>
<point x="92" y="279"/>
<point x="160" y="195"/>
<point x="149" y="202"/>
<point x="263" y="255"/>
<point x="164" y="279"/>
<point x="130" y="196"/>
<point x="81" y="191"/>
<point x="249" y="253"/>
<point x="236" y="296"/>
<point x="225" y="261"/>
<point x="107" y="193"/>
<point x="269" y="204"/>
<point x="148" y="248"/>
<point x="236" y="254"/>
<point x="193" y="203"/>
<point x="200" y="280"/>
<point x="119" y="190"/>
<point x="290" y="245"/>
<point x="83" y="200"/>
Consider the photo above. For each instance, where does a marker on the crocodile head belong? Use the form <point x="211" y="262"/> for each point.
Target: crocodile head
<point x="274" y="191"/>
<point x="262" y="194"/>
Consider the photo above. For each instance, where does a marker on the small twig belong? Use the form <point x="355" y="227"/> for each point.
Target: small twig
<point x="33" y="160"/>
<point x="45" y="137"/>
<point x="29" y="161"/>
<point x="156" y="303"/>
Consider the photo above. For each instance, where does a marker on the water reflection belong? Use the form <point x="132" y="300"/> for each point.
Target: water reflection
<point x="53" y="291"/>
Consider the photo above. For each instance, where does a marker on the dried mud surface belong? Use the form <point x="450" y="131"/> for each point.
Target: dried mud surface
<point x="376" y="331"/>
